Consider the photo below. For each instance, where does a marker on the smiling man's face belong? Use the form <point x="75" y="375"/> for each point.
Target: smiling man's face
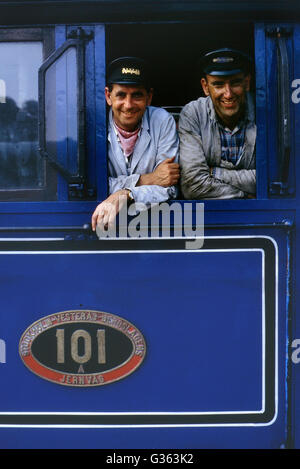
<point x="128" y="103"/>
<point x="228" y="94"/>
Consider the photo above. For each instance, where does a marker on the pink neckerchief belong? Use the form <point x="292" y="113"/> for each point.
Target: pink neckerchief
<point x="127" y="139"/>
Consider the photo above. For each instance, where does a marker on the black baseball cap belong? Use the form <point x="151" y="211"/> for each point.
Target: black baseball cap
<point x="225" y="62"/>
<point x="128" y="71"/>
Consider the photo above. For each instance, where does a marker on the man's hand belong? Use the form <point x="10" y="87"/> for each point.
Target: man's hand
<point x="106" y="212"/>
<point x="166" y="174"/>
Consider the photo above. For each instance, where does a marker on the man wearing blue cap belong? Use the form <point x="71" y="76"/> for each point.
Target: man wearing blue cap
<point x="143" y="144"/>
<point x="218" y="132"/>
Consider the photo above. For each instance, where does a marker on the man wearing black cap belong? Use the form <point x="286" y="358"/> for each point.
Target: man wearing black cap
<point x="142" y="142"/>
<point x="218" y="133"/>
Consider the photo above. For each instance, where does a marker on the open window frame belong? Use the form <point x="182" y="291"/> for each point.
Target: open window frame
<point x="79" y="175"/>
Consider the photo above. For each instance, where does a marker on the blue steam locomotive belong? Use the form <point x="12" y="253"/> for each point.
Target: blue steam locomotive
<point x="177" y="340"/>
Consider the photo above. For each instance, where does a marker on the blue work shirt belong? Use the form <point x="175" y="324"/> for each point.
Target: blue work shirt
<point x="157" y="141"/>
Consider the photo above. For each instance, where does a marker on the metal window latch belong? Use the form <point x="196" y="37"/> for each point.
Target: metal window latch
<point x="81" y="34"/>
<point x="278" y="31"/>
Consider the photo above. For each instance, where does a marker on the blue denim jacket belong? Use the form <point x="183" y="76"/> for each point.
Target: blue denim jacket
<point x="200" y="150"/>
<point x="157" y="140"/>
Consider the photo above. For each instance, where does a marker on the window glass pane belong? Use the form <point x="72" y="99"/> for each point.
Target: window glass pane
<point x="21" y="166"/>
<point x="61" y="111"/>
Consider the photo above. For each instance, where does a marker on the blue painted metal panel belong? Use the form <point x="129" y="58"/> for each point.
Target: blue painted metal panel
<point x="181" y="350"/>
<point x="62" y="186"/>
<point x="207" y="327"/>
<point x="295" y="253"/>
<point x="261" y="112"/>
<point x="100" y="113"/>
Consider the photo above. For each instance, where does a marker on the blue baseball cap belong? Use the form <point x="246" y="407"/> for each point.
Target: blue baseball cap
<point x="225" y="62"/>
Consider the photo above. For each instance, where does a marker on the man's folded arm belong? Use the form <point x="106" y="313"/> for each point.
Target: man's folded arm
<point x="122" y="182"/>
<point x="145" y="194"/>
<point x="196" y="180"/>
<point x="243" y="179"/>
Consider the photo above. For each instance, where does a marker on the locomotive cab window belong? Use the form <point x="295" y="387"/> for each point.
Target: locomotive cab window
<point x="53" y="137"/>
<point x="24" y="175"/>
<point x="173" y="52"/>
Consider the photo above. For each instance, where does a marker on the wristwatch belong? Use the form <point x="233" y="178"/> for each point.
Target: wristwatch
<point x="130" y="196"/>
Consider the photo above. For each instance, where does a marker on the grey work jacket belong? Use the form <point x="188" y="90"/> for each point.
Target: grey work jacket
<point x="200" y="150"/>
<point x="157" y="141"/>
